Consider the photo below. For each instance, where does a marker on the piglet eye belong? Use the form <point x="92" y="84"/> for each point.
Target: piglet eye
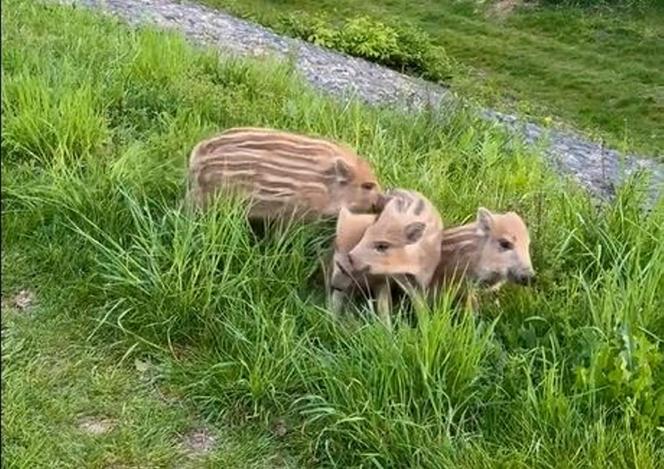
<point x="368" y="186"/>
<point x="381" y="246"/>
<point x="505" y="244"/>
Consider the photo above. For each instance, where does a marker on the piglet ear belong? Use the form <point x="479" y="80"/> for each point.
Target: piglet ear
<point x="342" y="171"/>
<point x="351" y="228"/>
<point x="414" y="231"/>
<point x="484" y="220"/>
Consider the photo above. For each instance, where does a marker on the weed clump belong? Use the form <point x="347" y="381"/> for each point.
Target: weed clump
<point x="404" y="48"/>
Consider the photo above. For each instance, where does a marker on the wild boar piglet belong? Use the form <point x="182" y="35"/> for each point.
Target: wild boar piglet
<point x="491" y="251"/>
<point x="283" y="174"/>
<point x="343" y="281"/>
<point x="401" y="246"/>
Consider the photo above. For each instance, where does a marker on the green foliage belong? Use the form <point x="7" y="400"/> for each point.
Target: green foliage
<point x="402" y="47"/>
<point x="623" y="369"/>
<point x="570" y="370"/>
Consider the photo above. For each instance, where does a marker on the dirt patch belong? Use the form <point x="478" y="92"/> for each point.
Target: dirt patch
<point x="23" y="301"/>
<point x="95" y="425"/>
<point x="199" y="442"/>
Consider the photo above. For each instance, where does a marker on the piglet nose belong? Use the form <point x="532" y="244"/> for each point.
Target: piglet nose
<point x="528" y="278"/>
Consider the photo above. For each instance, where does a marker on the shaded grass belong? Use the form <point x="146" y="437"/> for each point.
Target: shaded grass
<point x="57" y="380"/>
<point x="596" y="69"/>
<point x="569" y="373"/>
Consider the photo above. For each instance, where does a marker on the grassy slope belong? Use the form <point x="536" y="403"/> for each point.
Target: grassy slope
<point x="598" y="70"/>
<point x="56" y="381"/>
<point x="97" y="125"/>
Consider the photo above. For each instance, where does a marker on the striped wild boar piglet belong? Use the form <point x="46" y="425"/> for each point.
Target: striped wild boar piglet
<point x="343" y="282"/>
<point x="283" y="174"/>
<point x="491" y="251"/>
<point x="401" y="246"/>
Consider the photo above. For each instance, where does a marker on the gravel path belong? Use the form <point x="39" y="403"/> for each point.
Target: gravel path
<point x="598" y="169"/>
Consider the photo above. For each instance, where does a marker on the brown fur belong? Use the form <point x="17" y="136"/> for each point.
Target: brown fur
<point x="401" y="245"/>
<point x="491" y="251"/>
<point x="350" y="229"/>
<point x="283" y="174"/>
<point x="470" y="253"/>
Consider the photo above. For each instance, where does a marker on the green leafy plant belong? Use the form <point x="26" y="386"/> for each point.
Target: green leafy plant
<point x="624" y="369"/>
<point x="371" y="39"/>
<point x="401" y="47"/>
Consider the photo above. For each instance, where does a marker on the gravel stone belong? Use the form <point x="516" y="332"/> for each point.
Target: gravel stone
<point x="96" y="426"/>
<point x="597" y="168"/>
<point x="23" y="300"/>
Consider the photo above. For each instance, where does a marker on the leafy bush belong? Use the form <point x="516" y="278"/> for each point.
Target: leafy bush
<point x="623" y="369"/>
<point x="401" y="47"/>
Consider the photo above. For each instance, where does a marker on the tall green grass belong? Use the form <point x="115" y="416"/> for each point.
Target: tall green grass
<point x="97" y="124"/>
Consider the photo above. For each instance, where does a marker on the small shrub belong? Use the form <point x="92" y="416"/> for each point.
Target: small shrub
<point x="404" y="48"/>
<point x="370" y="39"/>
<point x="624" y="369"/>
<point x="310" y="28"/>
